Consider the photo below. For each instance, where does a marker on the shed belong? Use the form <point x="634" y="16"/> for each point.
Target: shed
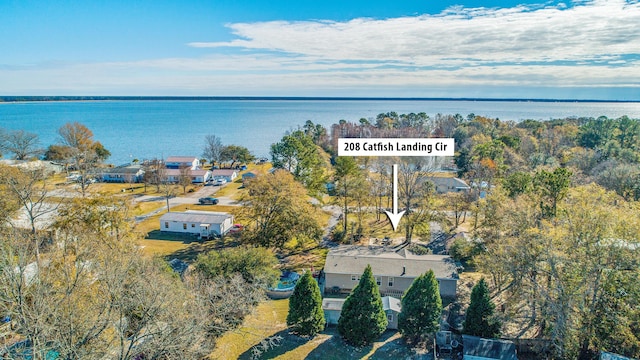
<point x="333" y="308"/>
<point x="248" y="176"/>
<point x="476" y="348"/>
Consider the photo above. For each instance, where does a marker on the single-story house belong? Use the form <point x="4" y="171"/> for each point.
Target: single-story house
<point x="333" y="308"/>
<point x="394" y="271"/>
<point x="227" y="174"/>
<point x="122" y="174"/>
<point x="248" y="176"/>
<point x="197" y="176"/>
<point x="445" y="185"/>
<point x="200" y="176"/>
<point x="178" y="162"/>
<point x="203" y="223"/>
<point x="476" y="348"/>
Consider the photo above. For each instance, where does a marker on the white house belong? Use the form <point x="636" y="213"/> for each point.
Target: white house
<point x="394" y="271"/>
<point x="203" y="223"/>
<point x="200" y="176"/>
<point x="197" y="176"/>
<point x="178" y="162"/>
<point x="227" y="174"/>
<point x="122" y="174"/>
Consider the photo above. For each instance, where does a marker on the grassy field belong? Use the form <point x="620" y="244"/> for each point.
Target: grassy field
<point x="269" y="320"/>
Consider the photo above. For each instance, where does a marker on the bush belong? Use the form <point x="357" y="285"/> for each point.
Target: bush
<point x="305" y="316"/>
<point x="363" y="319"/>
<point x="464" y="251"/>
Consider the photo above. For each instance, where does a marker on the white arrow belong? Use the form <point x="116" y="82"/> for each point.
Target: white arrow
<point x="395" y="216"/>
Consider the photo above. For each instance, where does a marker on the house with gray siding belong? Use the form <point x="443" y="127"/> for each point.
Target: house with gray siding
<point x="445" y="184"/>
<point x="394" y="271"/>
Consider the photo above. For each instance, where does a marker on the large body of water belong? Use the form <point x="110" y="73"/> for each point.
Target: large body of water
<point x="157" y="129"/>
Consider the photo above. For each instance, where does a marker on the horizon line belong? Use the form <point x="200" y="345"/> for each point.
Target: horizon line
<point x="53" y="98"/>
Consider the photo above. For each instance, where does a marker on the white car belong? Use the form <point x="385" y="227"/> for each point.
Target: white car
<point x="219" y="181"/>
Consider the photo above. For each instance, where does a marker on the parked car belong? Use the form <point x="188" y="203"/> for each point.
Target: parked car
<point x="219" y="181"/>
<point x="236" y="228"/>
<point x="208" y="201"/>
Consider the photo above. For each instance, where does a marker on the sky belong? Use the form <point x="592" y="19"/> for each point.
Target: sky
<point x="330" y="48"/>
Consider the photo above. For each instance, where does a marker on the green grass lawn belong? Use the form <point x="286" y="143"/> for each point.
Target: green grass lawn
<point x="269" y="320"/>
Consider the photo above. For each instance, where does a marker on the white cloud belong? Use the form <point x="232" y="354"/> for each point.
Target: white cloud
<point x="594" y="44"/>
<point x="588" y="31"/>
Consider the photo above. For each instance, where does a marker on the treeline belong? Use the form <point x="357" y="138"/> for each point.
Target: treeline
<point x="554" y="208"/>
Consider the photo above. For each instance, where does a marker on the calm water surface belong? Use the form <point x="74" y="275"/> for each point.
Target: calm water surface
<point x="150" y="129"/>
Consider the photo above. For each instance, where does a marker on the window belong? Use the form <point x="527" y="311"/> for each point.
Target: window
<point x="390" y="282"/>
<point x="390" y="317"/>
<point x="166" y="224"/>
<point x="355" y="278"/>
<point x="193" y="225"/>
<point x="184" y="226"/>
<point x="378" y="280"/>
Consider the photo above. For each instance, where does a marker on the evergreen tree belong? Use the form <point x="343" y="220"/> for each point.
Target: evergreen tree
<point x="479" y="320"/>
<point x="421" y="308"/>
<point x="305" y="316"/>
<point x="363" y="319"/>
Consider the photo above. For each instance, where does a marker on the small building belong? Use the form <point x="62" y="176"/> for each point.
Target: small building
<point x="476" y="348"/>
<point x="445" y="185"/>
<point x="248" y="176"/>
<point x="200" y="176"/>
<point x="197" y="176"/>
<point x="392" y="307"/>
<point x="205" y="224"/>
<point x="226" y="174"/>
<point x="394" y="271"/>
<point x="178" y="162"/>
<point x="333" y="308"/>
<point x="122" y="174"/>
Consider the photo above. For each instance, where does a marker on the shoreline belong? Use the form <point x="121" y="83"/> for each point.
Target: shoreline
<point x="27" y="99"/>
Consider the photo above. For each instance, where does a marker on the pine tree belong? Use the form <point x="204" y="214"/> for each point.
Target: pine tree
<point x="305" y="316"/>
<point x="479" y="320"/>
<point x="421" y="308"/>
<point x="363" y="319"/>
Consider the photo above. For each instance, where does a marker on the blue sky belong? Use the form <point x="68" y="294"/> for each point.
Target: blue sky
<point x="569" y="50"/>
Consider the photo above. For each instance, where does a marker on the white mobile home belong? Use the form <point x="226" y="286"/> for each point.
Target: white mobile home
<point x="202" y="223"/>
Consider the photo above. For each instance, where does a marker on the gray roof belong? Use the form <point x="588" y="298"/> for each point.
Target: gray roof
<point x="348" y="259"/>
<point x="182" y="159"/>
<point x="202" y="217"/>
<point x="480" y="348"/>
<point x="388" y="303"/>
<point x="332" y="304"/>
<point x="449" y="182"/>
<point x="133" y="169"/>
<point x="223" y="172"/>
<point x="391" y="303"/>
